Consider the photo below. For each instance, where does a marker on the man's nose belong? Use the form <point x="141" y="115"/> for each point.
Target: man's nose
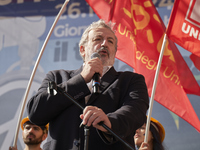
<point x="104" y="43"/>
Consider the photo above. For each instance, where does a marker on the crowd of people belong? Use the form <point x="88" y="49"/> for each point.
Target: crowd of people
<point x="34" y="135"/>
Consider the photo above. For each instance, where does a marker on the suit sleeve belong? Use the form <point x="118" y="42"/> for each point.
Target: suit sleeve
<point x="42" y="107"/>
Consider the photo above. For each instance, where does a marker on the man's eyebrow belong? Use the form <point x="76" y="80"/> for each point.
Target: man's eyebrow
<point x="99" y="35"/>
<point x="111" y="38"/>
<point x="36" y="127"/>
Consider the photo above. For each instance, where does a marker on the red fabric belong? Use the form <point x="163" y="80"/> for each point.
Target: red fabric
<point x="140" y="32"/>
<point x="196" y="60"/>
<point x="184" y="25"/>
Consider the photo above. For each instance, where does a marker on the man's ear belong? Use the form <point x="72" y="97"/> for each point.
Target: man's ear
<point x="82" y="51"/>
<point x="44" y="136"/>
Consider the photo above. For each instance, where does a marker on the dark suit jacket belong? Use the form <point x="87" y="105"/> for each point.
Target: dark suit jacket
<point x="123" y="98"/>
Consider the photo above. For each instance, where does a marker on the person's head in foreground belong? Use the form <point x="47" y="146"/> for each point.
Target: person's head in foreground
<point x="155" y="136"/>
<point x="32" y="134"/>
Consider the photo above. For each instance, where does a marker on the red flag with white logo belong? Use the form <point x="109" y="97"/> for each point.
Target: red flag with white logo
<point x="184" y="25"/>
<point x="140" y="32"/>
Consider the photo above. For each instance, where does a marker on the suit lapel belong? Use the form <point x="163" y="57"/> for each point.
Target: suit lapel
<point x="105" y="82"/>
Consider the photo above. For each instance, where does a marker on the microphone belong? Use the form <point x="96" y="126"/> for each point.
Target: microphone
<point x="96" y="77"/>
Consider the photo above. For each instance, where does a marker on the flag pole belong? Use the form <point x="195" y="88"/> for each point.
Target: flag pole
<point x="34" y="71"/>
<point x="154" y="89"/>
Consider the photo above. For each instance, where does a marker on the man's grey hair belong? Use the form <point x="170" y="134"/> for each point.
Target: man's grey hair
<point x="95" y="25"/>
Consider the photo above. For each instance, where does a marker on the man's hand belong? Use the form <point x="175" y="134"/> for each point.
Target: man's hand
<point x="90" y="68"/>
<point x="92" y="115"/>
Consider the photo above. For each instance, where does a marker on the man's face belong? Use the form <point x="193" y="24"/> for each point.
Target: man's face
<point x="100" y="40"/>
<point x="33" y="134"/>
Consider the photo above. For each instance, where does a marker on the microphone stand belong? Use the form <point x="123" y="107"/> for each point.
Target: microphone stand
<point x="86" y="134"/>
<point x="53" y="86"/>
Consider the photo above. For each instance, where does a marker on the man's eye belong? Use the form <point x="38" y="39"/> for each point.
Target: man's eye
<point x="27" y="128"/>
<point x="111" y="42"/>
<point x="36" y="128"/>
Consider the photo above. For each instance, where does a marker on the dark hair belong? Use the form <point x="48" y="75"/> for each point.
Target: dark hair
<point x="42" y="127"/>
<point x="157" y="144"/>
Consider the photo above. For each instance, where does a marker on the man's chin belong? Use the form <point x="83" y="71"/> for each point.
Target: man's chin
<point x="105" y="60"/>
<point x="31" y="141"/>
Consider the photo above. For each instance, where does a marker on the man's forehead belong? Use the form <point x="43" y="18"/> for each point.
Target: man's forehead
<point x="31" y="125"/>
<point x="101" y="31"/>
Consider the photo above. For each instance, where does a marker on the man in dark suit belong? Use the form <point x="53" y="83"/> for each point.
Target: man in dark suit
<point x="121" y="104"/>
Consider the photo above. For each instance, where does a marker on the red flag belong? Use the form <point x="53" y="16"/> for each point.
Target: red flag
<point x="196" y="60"/>
<point x="184" y="25"/>
<point x="140" y="31"/>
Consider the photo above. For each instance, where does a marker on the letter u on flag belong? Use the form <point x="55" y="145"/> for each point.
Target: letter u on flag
<point x="184" y="25"/>
<point x="140" y="33"/>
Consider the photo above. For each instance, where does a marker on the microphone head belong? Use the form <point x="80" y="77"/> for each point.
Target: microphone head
<point x="94" y="55"/>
